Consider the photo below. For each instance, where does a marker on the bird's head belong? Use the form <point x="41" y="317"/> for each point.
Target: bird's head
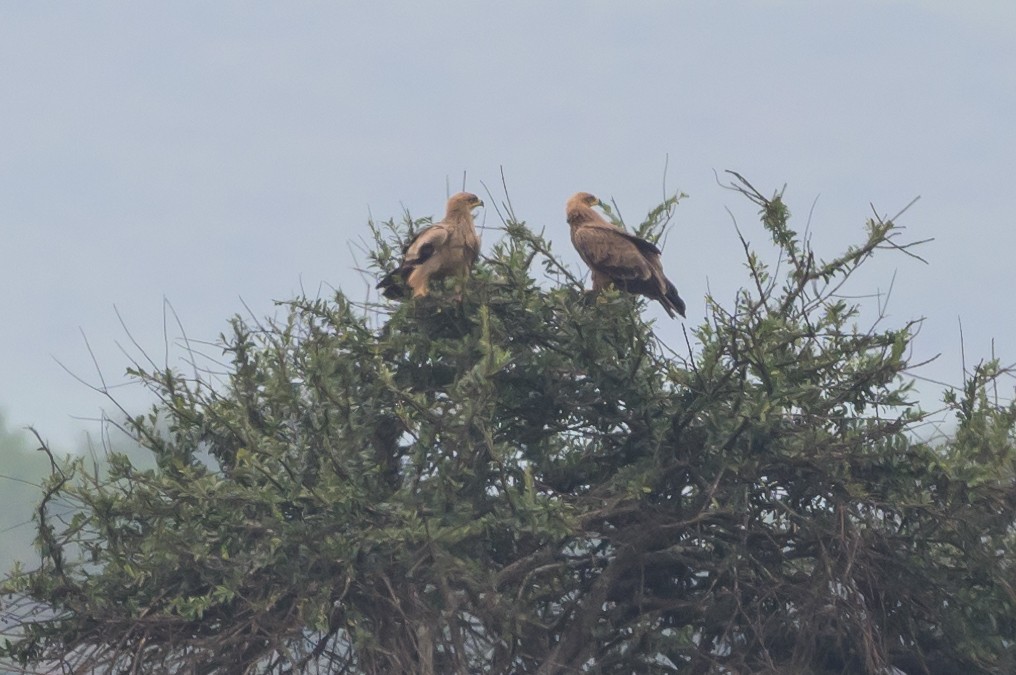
<point x="575" y="208"/>
<point x="463" y="202"/>
<point x="582" y="199"/>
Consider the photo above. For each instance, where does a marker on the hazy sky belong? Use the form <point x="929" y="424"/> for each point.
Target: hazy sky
<point x="208" y="152"/>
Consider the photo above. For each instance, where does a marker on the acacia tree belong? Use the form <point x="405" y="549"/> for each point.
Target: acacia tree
<point x="529" y="480"/>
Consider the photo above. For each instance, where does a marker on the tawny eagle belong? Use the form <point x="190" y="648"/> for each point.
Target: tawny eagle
<point x="616" y="257"/>
<point x="447" y="248"/>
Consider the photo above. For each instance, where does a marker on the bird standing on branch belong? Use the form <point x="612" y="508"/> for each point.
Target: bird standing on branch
<point x="447" y="248"/>
<point x="616" y="257"/>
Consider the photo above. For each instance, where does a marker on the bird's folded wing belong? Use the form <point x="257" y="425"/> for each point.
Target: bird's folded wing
<point x="425" y="243"/>
<point x="611" y="252"/>
<point x="646" y="247"/>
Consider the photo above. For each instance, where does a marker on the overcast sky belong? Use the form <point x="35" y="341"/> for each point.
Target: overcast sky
<point x="212" y="152"/>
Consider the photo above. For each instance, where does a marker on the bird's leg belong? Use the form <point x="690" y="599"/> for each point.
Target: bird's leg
<point x="600" y="282"/>
<point x="460" y="287"/>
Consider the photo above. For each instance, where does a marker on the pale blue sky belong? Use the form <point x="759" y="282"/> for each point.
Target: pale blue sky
<point x="211" y="151"/>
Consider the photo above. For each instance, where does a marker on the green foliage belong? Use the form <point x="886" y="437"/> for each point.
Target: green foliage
<point x="21" y="471"/>
<point x="529" y="480"/>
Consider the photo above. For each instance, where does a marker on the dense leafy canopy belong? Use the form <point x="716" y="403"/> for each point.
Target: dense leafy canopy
<point x="529" y="480"/>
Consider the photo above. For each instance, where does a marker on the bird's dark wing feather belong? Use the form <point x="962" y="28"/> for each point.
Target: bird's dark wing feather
<point x="646" y="247"/>
<point x="423" y="245"/>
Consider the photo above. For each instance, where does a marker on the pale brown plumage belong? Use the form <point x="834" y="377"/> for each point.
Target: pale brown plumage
<point x="618" y="258"/>
<point x="449" y="247"/>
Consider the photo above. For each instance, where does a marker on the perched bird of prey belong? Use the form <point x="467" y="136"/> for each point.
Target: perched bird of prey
<point x="616" y="257"/>
<point x="449" y="247"/>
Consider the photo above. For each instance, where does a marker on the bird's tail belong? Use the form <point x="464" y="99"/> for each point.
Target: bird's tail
<point x="672" y="302"/>
<point x="393" y="285"/>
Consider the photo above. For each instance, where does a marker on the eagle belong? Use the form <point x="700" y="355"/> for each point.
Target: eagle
<point x="616" y="257"/>
<point x="449" y="247"/>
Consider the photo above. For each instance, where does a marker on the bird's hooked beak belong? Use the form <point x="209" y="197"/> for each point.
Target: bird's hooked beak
<point x="478" y="204"/>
